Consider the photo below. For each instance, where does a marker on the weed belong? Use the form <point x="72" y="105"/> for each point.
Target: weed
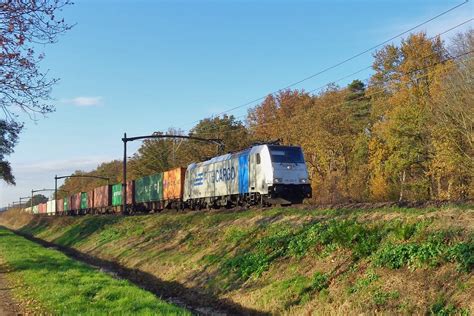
<point x="441" y="308"/>
<point x="404" y="231"/>
<point x="235" y="235"/>
<point x="108" y="235"/>
<point x="360" y="238"/>
<point x="246" y="265"/>
<point x="319" y="281"/>
<point x="267" y="249"/>
<point x="283" y="242"/>
<point x="463" y="254"/>
<point x="431" y="252"/>
<point x="364" y="282"/>
<point x="380" y="298"/>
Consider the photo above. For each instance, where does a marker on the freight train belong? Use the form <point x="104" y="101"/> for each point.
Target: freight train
<point x="260" y="175"/>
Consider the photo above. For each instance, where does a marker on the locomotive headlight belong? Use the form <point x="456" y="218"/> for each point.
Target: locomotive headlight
<point x="304" y="180"/>
<point x="277" y="180"/>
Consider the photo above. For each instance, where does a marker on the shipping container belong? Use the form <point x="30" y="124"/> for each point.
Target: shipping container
<point x="173" y="184"/>
<point x="90" y="199"/>
<point x="84" y="200"/>
<point x="149" y="188"/>
<point x="131" y="192"/>
<point x="117" y="193"/>
<point x="42" y="209"/>
<point x="66" y="204"/>
<point x="75" y="202"/>
<point x="35" y="209"/>
<point x="102" y="197"/>
<point x="60" y="206"/>
<point x="51" y="207"/>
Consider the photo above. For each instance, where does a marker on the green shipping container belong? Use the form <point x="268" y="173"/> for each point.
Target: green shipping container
<point x="66" y="204"/>
<point x="149" y="188"/>
<point x="117" y="194"/>
<point x="83" y="200"/>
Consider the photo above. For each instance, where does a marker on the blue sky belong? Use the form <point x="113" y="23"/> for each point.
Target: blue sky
<point x="145" y="66"/>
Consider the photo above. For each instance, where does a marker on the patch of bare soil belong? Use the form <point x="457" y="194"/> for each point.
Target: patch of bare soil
<point x="8" y="306"/>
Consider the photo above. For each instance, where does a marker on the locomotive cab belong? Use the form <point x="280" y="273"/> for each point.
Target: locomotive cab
<point x="282" y="173"/>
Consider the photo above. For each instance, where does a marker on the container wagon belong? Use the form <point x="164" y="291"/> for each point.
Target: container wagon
<point x="51" y="207"/>
<point x="60" y="207"/>
<point x="42" y="208"/>
<point x="102" y="199"/>
<point x="90" y="200"/>
<point x="66" y="204"/>
<point x="149" y="193"/>
<point x="117" y="201"/>
<point x="173" y="186"/>
<point x="84" y="205"/>
<point x="75" y="206"/>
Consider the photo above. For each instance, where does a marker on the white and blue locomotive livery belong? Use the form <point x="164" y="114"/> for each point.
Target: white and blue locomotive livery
<point x="260" y="175"/>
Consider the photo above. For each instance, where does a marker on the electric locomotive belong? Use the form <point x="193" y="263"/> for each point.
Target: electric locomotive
<point x="262" y="174"/>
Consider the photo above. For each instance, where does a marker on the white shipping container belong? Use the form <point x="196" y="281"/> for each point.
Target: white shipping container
<point x="51" y="207"/>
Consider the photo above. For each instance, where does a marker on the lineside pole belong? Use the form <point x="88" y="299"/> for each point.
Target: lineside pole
<point x="55" y="193"/>
<point x="124" y="182"/>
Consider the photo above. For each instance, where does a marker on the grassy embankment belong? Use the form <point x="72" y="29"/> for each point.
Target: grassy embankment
<point x="49" y="282"/>
<point x="291" y="261"/>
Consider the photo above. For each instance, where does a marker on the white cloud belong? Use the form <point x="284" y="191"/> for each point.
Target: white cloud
<point x="85" y="101"/>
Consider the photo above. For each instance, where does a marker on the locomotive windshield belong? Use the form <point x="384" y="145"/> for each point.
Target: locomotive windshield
<point x="283" y="154"/>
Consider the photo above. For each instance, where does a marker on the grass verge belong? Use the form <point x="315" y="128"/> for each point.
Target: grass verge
<point x="60" y="285"/>
<point x="289" y="261"/>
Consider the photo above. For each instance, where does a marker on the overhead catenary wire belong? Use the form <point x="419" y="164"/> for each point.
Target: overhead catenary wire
<point x="365" y="96"/>
<point x="215" y="127"/>
<point x="341" y="62"/>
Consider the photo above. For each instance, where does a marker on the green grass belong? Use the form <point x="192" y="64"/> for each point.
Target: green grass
<point x="67" y="287"/>
<point x="441" y="308"/>
<point x="394" y="244"/>
<point x="291" y="260"/>
<point x="438" y="248"/>
<point x="364" y="282"/>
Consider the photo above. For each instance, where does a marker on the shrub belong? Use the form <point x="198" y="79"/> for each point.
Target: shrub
<point x="463" y="254"/>
<point x="432" y="252"/>
<point x="320" y="281"/>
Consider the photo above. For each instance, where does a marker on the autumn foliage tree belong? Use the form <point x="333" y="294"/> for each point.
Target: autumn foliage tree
<point x="111" y="170"/>
<point x="405" y="134"/>
<point x="24" y="87"/>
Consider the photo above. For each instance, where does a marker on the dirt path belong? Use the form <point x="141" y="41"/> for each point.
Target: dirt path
<point x="8" y="306"/>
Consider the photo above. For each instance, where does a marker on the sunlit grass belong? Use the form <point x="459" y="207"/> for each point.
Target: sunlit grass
<point x="65" y="286"/>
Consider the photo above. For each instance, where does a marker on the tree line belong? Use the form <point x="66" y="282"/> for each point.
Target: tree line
<point x="405" y="134"/>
